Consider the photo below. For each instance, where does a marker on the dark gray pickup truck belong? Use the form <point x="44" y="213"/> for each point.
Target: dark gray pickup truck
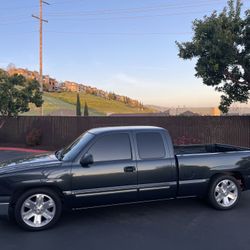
<point x="115" y="165"/>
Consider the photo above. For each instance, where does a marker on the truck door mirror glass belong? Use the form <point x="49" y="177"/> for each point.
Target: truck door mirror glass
<point x="87" y="160"/>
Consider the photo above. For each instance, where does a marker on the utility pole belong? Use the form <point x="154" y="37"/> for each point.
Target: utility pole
<point x="41" y="20"/>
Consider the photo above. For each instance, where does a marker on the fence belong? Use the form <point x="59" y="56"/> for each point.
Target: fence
<point x="59" y="131"/>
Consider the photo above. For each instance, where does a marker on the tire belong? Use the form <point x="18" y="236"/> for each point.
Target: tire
<point x="224" y="192"/>
<point x="38" y="209"/>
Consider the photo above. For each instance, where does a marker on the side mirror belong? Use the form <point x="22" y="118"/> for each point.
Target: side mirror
<point x="87" y="160"/>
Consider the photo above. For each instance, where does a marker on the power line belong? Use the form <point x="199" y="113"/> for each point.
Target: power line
<point x="84" y="33"/>
<point x="108" y="18"/>
<point x="86" y="14"/>
<point x="112" y="18"/>
<point x="84" y="1"/>
<point x="134" y="17"/>
<point x="162" y="7"/>
<point x="133" y="10"/>
<point x="68" y="1"/>
<point x="15" y="22"/>
<point x="117" y="33"/>
<point x="23" y="32"/>
<point x="19" y="7"/>
<point x="12" y="16"/>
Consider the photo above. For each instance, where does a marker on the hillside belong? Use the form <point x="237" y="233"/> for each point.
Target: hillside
<point x="60" y="97"/>
<point x="53" y="85"/>
<point x="64" y="104"/>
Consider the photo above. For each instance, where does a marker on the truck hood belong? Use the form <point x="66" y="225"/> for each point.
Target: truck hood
<point x="29" y="162"/>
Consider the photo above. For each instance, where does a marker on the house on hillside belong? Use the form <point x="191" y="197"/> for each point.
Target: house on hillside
<point x="50" y="84"/>
<point x="31" y="75"/>
<point x="70" y="86"/>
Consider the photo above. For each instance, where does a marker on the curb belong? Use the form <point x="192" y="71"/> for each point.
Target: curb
<point x="25" y="150"/>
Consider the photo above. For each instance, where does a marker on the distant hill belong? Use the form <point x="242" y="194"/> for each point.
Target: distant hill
<point x="60" y="97"/>
<point x="63" y="104"/>
<point x="53" y="85"/>
<point x="158" y="108"/>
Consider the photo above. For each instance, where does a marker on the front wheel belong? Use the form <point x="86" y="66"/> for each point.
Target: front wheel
<point x="38" y="209"/>
<point x="224" y="192"/>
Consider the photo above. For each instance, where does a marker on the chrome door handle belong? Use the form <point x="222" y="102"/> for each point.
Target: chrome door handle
<point x="129" y="169"/>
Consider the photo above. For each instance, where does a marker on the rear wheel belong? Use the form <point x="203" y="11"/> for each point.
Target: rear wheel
<point x="38" y="209"/>
<point x="224" y="192"/>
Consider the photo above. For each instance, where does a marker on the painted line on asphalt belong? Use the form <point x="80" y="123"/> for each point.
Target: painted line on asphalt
<point x="25" y="150"/>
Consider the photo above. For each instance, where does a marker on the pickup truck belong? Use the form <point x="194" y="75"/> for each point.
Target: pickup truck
<point x="117" y="165"/>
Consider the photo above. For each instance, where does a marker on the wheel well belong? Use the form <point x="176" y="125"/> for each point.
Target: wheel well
<point x="237" y="175"/>
<point x="20" y="191"/>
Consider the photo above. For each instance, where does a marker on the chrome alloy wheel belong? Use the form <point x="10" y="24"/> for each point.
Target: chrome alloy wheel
<point x="38" y="210"/>
<point x="226" y="193"/>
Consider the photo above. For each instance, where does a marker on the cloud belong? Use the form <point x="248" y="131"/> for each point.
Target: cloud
<point x="125" y="78"/>
<point x="3" y="64"/>
<point x="151" y="68"/>
<point x="97" y="63"/>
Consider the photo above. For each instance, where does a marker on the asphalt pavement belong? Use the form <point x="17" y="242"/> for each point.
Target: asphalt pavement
<point x="169" y="225"/>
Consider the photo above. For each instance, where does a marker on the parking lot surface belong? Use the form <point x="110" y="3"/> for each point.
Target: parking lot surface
<point x="174" y="224"/>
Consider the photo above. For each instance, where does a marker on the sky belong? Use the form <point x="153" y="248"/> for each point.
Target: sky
<point x="125" y="46"/>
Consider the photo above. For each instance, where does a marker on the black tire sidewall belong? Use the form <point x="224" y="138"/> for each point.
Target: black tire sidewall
<point x="213" y="185"/>
<point x="23" y="197"/>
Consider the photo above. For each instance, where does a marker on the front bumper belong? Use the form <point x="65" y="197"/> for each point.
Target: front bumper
<point x="4" y="205"/>
<point x="4" y="209"/>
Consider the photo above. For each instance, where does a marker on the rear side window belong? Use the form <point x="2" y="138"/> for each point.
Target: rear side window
<point x="150" y="145"/>
<point x="111" y="147"/>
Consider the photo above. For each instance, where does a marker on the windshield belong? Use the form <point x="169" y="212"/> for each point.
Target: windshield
<point x="72" y="150"/>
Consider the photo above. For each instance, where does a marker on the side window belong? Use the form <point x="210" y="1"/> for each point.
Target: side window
<point x="150" y="145"/>
<point x="111" y="147"/>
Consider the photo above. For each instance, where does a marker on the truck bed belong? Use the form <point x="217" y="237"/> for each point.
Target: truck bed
<point x="206" y="148"/>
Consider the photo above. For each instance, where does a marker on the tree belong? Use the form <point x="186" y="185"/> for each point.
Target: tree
<point x="16" y="93"/>
<point x="221" y="44"/>
<point x="78" y="106"/>
<point x="111" y="96"/>
<point x="141" y="106"/>
<point x="86" y="109"/>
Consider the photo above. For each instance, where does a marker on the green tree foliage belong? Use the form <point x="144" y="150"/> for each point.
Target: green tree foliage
<point x="86" y="109"/>
<point x="16" y="93"/>
<point x="221" y="44"/>
<point x="112" y="96"/>
<point x="78" y="106"/>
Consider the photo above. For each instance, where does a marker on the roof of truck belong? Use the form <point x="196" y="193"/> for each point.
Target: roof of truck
<point x="123" y="128"/>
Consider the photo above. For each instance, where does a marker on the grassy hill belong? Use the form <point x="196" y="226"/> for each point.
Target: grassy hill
<point x="64" y="104"/>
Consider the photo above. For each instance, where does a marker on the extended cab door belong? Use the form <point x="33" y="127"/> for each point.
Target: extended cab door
<point x="112" y="178"/>
<point x="157" y="173"/>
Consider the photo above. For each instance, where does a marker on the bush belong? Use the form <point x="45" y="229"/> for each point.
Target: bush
<point x="34" y="137"/>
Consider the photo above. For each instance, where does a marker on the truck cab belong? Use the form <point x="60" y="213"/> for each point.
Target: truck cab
<point x="126" y="165"/>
